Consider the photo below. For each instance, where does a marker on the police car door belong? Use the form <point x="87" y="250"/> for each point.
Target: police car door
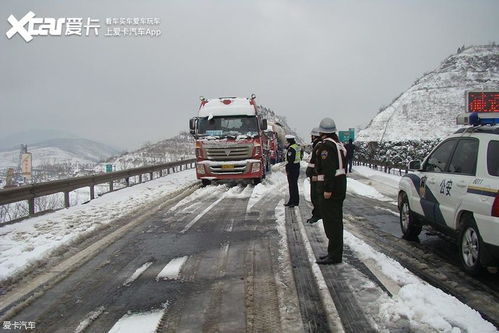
<point x="434" y="171"/>
<point x="454" y="183"/>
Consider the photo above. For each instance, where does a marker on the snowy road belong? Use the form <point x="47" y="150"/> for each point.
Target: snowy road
<point x="231" y="259"/>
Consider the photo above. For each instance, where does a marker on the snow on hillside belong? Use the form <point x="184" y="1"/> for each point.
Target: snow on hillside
<point x="41" y="157"/>
<point x="173" y="149"/>
<point x="428" y="109"/>
<point x="60" y="151"/>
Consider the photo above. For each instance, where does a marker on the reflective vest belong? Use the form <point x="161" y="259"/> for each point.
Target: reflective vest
<point x="297" y="153"/>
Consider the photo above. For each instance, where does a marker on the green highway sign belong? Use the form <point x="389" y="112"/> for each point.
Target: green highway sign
<point x="345" y="135"/>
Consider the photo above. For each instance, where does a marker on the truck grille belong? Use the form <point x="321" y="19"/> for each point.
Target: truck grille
<point x="218" y="170"/>
<point x="229" y="152"/>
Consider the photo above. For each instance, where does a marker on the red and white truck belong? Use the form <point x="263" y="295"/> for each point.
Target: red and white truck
<point x="276" y="142"/>
<point x="230" y="140"/>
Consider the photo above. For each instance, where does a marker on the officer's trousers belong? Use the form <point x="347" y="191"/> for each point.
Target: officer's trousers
<point x="315" y="196"/>
<point x="293" y="174"/>
<point x="332" y="218"/>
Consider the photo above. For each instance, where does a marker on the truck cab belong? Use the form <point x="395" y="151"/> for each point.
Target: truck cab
<point x="229" y="140"/>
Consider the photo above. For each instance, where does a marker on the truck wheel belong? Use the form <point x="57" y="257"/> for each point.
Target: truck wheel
<point x="411" y="228"/>
<point x="470" y="245"/>
<point x="206" y="182"/>
<point x="256" y="181"/>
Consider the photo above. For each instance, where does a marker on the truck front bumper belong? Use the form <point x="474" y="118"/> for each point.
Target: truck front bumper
<point x="244" y="169"/>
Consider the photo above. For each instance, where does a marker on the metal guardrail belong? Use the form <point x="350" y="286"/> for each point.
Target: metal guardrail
<point x="383" y="166"/>
<point x="30" y="192"/>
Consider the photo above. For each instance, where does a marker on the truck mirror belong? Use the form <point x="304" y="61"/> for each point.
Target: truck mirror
<point x="192" y="125"/>
<point x="264" y="124"/>
<point x="414" y="165"/>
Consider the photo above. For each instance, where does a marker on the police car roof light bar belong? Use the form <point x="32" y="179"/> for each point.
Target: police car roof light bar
<point x="476" y="119"/>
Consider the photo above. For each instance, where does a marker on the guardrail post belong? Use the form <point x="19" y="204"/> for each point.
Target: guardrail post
<point x="161" y="173"/>
<point x="140" y="179"/>
<point x="92" y="192"/>
<point x="127" y="181"/>
<point x="151" y="175"/>
<point x="111" y="186"/>
<point x="66" y="199"/>
<point x="31" y="206"/>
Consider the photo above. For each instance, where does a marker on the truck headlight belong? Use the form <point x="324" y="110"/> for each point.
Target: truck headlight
<point x="200" y="169"/>
<point x="255" y="167"/>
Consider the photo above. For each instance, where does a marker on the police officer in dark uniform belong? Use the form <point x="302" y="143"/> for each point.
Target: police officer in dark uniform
<point x="293" y="158"/>
<point x="331" y="175"/>
<point x="312" y="174"/>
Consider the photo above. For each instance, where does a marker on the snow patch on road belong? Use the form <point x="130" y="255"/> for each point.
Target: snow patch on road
<point x="288" y="300"/>
<point x="91" y="317"/>
<point x="354" y="186"/>
<point x="427" y="308"/>
<point x="272" y="183"/>
<point x="199" y="195"/>
<point x="385" y="178"/>
<point x="172" y="270"/>
<point x="140" y="322"/>
<point x="137" y="273"/>
<point x="306" y="189"/>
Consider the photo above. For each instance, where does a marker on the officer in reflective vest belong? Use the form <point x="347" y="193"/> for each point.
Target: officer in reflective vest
<point x="331" y="176"/>
<point x="293" y="158"/>
<point x="312" y="174"/>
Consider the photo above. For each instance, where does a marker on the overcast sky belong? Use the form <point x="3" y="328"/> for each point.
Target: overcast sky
<point x="303" y="59"/>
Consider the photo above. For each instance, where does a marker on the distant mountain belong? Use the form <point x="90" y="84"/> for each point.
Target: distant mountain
<point x="60" y="151"/>
<point x="13" y="141"/>
<point x="428" y="109"/>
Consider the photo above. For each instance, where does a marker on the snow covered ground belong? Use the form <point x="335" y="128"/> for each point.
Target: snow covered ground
<point x="36" y="239"/>
<point x="426" y="307"/>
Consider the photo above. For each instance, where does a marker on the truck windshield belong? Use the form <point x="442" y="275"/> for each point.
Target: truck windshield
<point x="228" y="126"/>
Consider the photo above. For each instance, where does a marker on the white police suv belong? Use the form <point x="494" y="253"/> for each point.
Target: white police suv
<point x="456" y="191"/>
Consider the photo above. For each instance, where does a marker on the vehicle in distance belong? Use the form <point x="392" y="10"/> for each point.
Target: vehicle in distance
<point x="230" y="140"/>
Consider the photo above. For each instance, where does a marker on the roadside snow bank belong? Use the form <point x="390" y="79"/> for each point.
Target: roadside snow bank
<point x="354" y="186"/>
<point x="427" y="308"/>
<point x="36" y="239"/>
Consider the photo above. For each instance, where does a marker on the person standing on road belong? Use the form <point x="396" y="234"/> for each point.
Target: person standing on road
<point x="293" y="158"/>
<point x="332" y="183"/>
<point x="312" y="174"/>
<point x="350" y="147"/>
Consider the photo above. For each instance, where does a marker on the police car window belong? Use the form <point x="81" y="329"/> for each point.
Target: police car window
<point x="493" y="158"/>
<point x="464" y="158"/>
<point x="437" y="161"/>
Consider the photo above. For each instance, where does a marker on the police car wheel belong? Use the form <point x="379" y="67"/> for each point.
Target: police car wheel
<point x="470" y="246"/>
<point x="408" y="221"/>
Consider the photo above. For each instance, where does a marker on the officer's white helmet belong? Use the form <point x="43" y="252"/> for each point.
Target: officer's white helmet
<point x="290" y="137"/>
<point x="315" y="131"/>
<point x="327" y="126"/>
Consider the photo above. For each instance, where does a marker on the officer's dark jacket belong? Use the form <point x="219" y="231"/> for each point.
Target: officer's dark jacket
<point x="329" y="170"/>
<point x="310" y="171"/>
<point x="350" y="147"/>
